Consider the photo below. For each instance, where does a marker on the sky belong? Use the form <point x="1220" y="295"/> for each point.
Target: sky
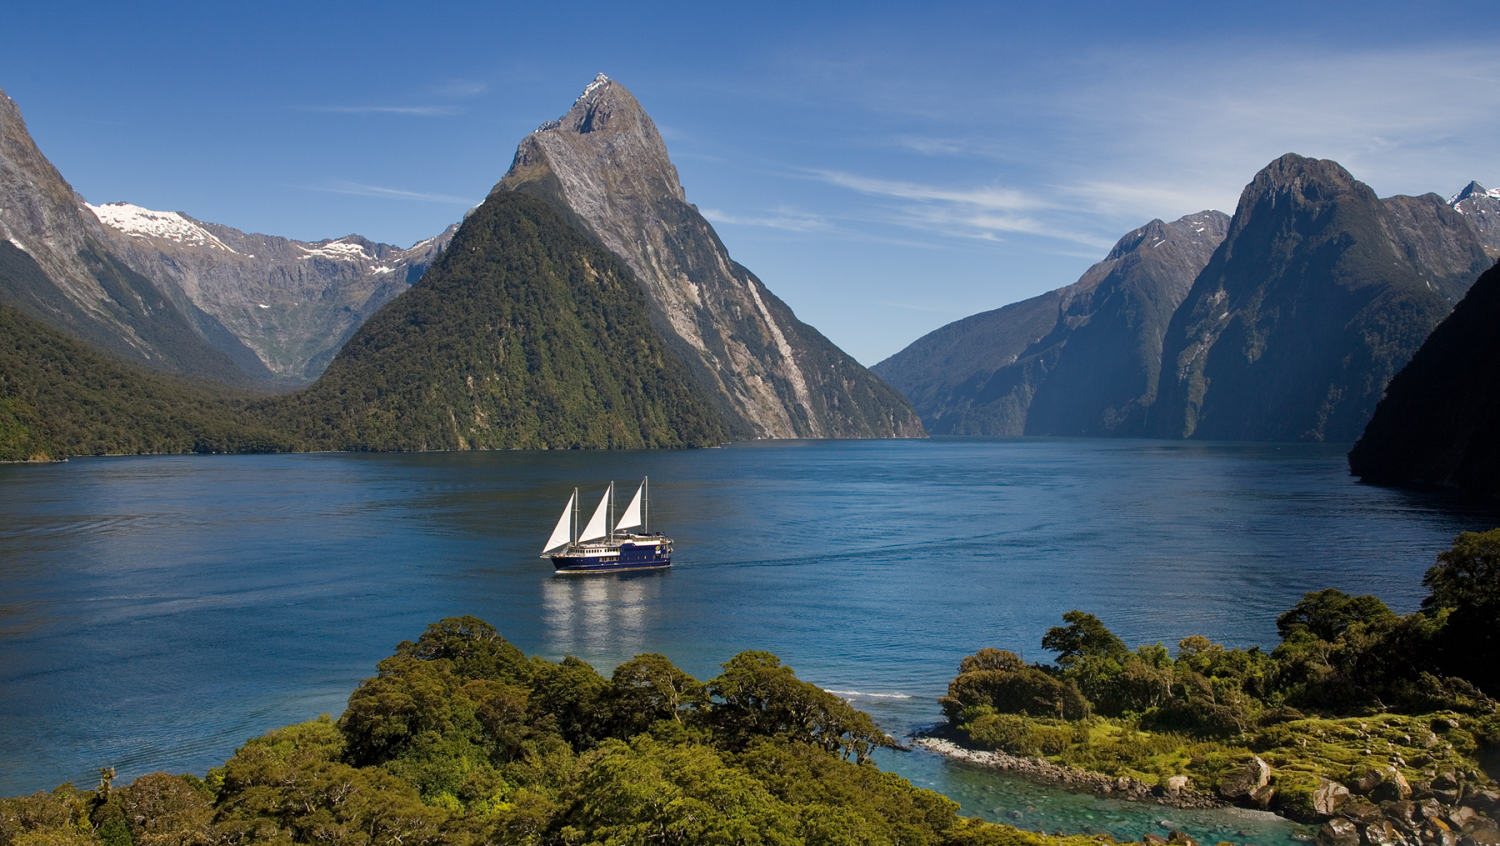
<point x="885" y="168"/>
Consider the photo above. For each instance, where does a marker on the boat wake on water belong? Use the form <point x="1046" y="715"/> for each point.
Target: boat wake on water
<point x="857" y="694"/>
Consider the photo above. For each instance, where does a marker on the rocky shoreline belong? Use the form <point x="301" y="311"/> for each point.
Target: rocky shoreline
<point x="1379" y="809"/>
<point x="1177" y="793"/>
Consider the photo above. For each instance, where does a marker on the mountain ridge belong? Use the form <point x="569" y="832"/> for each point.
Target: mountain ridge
<point x="293" y="303"/>
<point x="1033" y="367"/>
<point x="1319" y="293"/>
<point x="604" y="165"/>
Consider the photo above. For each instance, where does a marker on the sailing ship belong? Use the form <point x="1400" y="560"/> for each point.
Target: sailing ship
<point x="599" y="548"/>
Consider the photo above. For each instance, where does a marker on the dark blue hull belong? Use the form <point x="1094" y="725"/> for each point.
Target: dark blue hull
<point x="652" y="554"/>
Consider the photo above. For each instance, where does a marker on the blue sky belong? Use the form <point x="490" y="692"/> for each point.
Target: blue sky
<point x="884" y="168"/>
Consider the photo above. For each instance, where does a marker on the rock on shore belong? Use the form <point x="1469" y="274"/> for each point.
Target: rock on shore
<point x="1177" y="793"/>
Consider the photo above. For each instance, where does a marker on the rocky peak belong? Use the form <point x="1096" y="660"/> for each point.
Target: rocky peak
<point x="1319" y="293"/>
<point x="605" y="166"/>
<point x="1303" y="182"/>
<point x="1481" y="211"/>
<point x="1473" y="189"/>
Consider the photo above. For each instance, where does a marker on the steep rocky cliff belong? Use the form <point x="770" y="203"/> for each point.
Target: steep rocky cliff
<point x="1318" y="295"/>
<point x="1439" y="422"/>
<point x="56" y="266"/>
<point x="293" y="303"/>
<point x="1081" y="360"/>
<point x="605" y="166"/>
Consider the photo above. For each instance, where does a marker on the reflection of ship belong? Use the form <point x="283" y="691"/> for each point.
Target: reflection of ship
<point x="600" y="549"/>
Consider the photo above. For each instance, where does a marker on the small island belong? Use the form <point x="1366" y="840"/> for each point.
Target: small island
<point x="1380" y="727"/>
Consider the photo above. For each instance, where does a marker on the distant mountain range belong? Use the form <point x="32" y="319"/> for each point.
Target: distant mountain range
<point x="293" y="303"/>
<point x="1286" y="325"/>
<point x="594" y="308"/>
<point x="1081" y="360"/>
<point x="178" y="294"/>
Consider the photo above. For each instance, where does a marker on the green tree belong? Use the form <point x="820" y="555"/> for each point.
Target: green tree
<point x="1465" y="585"/>
<point x="648" y="688"/>
<point x="1083" y="636"/>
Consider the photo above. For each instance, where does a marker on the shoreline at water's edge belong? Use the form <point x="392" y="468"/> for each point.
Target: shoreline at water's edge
<point x="1042" y="770"/>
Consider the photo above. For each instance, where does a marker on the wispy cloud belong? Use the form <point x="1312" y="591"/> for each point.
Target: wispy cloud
<point x="362" y="190"/>
<point x="785" y="219"/>
<point x="985" y="213"/>
<point x="1008" y="199"/>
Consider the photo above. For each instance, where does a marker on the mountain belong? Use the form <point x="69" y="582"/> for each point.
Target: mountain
<point x="522" y="334"/>
<point x="1317" y="296"/>
<point x="604" y="166"/>
<point x="1080" y="360"/>
<point x="293" y="303"/>
<point x="1439" y="422"/>
<point x="61" y="397"/>
<point x="56" y="266"/>
<point x="1481" y="208"/>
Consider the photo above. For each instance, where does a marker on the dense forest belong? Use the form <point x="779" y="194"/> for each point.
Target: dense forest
<point x="1356" y="708"/>
<point x="61" y="397"/>
<point x="461" y="739"/>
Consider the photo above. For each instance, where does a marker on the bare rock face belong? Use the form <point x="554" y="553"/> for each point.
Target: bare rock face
<point x="56" y="266"/>
<point x="605" y="166"/>
<point x="293" y="303"/>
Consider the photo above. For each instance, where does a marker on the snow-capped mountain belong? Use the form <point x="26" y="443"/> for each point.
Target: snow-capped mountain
<point x="1481" y="208"/>
<point x="293" y="302"/>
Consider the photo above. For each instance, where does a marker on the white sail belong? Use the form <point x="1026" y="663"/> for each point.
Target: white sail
<point x="561" y="535"/>
<point x="632" y="516"/>
<point x="598" y="525"/>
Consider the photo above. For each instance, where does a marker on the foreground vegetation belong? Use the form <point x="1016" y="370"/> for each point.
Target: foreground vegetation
<point x="461" y="739"/>
<point x="1355" y="701"/>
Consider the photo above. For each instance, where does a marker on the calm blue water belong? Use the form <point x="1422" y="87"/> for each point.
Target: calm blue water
<point x="156" y="612"/>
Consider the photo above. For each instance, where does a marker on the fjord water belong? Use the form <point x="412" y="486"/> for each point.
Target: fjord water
<point x="156" y="612"/>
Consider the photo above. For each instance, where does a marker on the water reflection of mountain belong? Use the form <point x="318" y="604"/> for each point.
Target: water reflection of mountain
<point x="599" y="616"/>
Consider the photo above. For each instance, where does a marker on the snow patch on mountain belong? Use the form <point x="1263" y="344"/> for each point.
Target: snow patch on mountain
<point x="335" y="250"/>
<point x="145" y="223"/>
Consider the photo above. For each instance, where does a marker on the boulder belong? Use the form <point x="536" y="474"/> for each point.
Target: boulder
<point x="1382" y="833"/>
<point x="1365" y="782"/>
<point x="1338" y="832"/>
<point x="1481" y="837"/>
<point x="1151" y="838"/>
<point x="1430" y="809"/>
<point x="1360" y="809"/>
<point x="1329" y="797"/>
<point x="1487" y="801"/>
<point x="1460" y="817"/>
<point x="1393" y="787"/>
<point x="1240" y="783"/>
<point x="1177" y="838"/>
<point x="1177" y="785"/>
<point x="1262" y="796"/>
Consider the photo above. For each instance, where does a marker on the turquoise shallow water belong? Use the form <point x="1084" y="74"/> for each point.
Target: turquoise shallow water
<point x="155" y="612"/>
